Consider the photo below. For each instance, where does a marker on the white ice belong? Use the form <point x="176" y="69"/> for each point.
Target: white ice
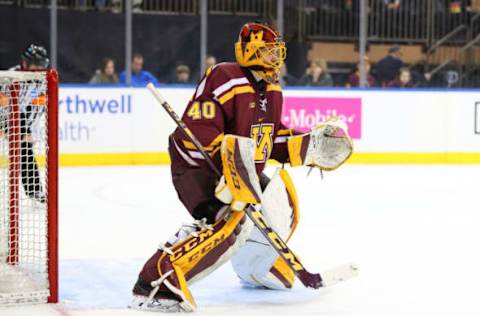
<point x="413" y="231"/>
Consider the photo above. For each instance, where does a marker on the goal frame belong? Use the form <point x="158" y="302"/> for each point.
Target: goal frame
<point x="52" y="179"/>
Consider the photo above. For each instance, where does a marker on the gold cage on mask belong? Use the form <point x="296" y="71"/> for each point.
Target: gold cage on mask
<point x="262" y="50"/>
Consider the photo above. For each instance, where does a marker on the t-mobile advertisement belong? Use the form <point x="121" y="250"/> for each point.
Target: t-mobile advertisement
<point x="304" y="113"/>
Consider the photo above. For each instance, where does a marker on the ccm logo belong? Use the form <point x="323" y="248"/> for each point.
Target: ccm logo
<point x="191" y="244"/>
<point x="477" y="118"/>
<point x="233" y="170"/>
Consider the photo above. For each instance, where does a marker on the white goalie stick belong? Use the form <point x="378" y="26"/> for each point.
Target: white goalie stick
<point x="327" y="278"/>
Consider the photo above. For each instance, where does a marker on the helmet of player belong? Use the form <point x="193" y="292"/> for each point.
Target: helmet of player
<point x="260" y="47"/>
<point x="35" y="55"/>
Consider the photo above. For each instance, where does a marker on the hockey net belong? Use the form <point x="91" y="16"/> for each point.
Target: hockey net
<point x="28" y="182"/>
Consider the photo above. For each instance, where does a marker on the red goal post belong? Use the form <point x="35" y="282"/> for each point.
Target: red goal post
<point x="28" y="187"/>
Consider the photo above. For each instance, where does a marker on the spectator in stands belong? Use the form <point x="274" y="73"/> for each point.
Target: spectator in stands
<point x="474" y="6"/>
<point x="210" y="61"/>
<point x="392" y="4"/>
<point x="354" y="79"/>
<point x="140" y="77"/>
<point x="285" y="78"/>
<point x="182" y="75"/>
<point x="456" y="6"/>
<point x="316" y="75"/>
<point x="117" y="5"/>
<point x="404" y="79"/>
<point x="420" y="78"/>
<point x="387" y="68"/>
<point x="106" y="73"/>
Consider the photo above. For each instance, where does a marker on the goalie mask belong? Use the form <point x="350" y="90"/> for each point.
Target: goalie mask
<point x="260" y="48"/>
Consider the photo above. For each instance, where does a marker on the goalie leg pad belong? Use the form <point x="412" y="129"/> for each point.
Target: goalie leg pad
<point x="192" y="253"/>
<point x="257" y="263"/>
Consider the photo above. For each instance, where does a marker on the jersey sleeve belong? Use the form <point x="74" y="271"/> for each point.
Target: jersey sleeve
<point x="280" y="147"/>
<point x="33" y="102"/>
<point x="205" y="116"/>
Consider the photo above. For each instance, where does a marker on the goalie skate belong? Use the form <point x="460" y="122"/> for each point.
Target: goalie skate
<point x="164" y="305"/>
<point x="148" y="297"/>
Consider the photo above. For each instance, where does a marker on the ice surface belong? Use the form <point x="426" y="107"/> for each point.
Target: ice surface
<point x="412" y="230"/>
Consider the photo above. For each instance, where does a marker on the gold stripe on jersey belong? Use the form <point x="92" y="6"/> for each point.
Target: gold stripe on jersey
<point x="209" y="70"/>
<point x="211" y="147"/>
<point x="274" y="87"/>
<point x="285" y="132"/>
<point x="234" y="91"/>
<point x="215" y="151"/>
<point x="292" y="194"/>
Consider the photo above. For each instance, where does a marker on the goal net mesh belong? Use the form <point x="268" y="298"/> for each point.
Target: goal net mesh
<point x="23" y="188"/>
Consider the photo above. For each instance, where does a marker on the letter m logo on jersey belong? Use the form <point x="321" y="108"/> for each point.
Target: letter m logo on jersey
<point x="262" y="134"/>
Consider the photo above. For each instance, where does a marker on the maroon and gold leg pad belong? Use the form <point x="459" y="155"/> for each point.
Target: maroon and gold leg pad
<point x="194" y="252"/>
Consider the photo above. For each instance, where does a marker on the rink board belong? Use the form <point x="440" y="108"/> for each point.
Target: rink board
<point x="122" y="125"/>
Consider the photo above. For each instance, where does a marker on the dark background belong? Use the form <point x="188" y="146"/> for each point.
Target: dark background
<point x="84" y="38"/>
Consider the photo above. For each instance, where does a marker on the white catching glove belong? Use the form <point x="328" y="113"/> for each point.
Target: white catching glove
<point x="327" y="146"/>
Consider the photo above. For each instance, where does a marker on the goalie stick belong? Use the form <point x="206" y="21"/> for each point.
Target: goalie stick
<point x="313" y="280"/>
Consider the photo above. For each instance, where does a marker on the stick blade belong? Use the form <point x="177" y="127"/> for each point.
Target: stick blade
<point x="339" y="274"/>
<point x="310" y="279"/>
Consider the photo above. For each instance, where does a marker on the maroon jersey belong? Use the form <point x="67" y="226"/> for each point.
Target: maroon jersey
<point x="228" y="100"/>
